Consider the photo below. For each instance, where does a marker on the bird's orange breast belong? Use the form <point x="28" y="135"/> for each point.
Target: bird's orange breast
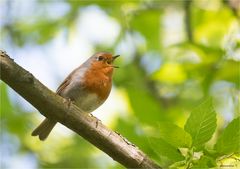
<point x="99" y="82"/>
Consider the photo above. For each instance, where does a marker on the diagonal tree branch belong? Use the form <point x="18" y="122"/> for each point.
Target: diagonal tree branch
<point x="53" y="106"/>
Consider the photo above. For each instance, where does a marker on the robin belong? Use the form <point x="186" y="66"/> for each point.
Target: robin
<point x="88" y="86"/>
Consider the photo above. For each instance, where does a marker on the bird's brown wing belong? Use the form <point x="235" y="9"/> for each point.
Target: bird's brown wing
<point x="65" y="83"/>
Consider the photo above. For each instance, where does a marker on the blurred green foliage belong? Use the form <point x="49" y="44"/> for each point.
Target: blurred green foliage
<point x="160" y="98"/>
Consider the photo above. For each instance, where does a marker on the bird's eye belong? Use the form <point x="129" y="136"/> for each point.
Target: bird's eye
<point x="100" y="58"/>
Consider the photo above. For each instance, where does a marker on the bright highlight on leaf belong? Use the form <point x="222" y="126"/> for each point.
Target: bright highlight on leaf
<point x="202" y="123"/>
<point x="172" y="73"/>
<point x="229" y="141"/>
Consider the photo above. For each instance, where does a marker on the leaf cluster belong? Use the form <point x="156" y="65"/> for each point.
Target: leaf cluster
<point x="186" y="147"/>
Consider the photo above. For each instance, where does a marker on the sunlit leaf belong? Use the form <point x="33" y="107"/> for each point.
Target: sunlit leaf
<point x="172" y="73"/>
<point x="229" y="140"/>
<point x="174" y="135"/>
<point x="229" y="160"/>
<point x="202" y="123"/>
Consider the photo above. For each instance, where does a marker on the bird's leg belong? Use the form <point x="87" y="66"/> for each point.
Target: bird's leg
<point x="68" y="101"/>
<point x="97" y="120"/>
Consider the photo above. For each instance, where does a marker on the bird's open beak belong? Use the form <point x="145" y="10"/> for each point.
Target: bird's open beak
<point x="115" y="57"/>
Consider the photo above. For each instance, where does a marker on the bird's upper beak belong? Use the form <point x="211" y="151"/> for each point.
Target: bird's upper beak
<point x="115" y="57"/>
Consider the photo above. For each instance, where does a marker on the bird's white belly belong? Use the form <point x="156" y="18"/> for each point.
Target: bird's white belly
<point x="88" y="102"/>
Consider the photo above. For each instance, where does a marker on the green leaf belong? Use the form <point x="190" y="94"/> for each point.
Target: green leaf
<point x="202" y="123"/>
<point x="163" y="149"/>
<point x="174" y="135"/>
<point x="179" y="164"/>
<point x="229" y="141"/>
<point x="205" y="162"/>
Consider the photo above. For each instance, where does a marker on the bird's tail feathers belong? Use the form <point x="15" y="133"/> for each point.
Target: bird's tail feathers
<point x="44" y="129"/>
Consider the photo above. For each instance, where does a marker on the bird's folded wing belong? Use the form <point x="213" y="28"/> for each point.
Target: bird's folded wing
<point x="64" y="84"/>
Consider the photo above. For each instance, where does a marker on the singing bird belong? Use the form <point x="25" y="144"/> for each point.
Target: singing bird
<point x="88" y="86"/>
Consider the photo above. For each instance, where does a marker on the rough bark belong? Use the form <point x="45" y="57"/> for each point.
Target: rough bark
<point x="55" y="107"/>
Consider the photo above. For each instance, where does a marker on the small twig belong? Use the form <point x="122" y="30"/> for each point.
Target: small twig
<point x="188" y="26"/>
